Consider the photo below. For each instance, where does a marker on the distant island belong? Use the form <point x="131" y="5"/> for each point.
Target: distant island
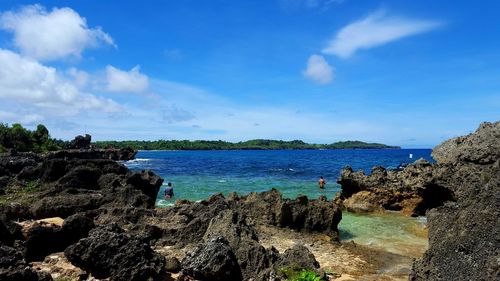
<point x="257" y="144"/>
<point x="18" y="138"/>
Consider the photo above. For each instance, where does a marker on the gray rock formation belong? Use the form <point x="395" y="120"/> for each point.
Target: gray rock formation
<point x="213" y="260"/>
<point x="188" y="221"/>
<point x="13" y="267"/>
<point x="464" y="235"/>
<point x="412" y="190"/>
<point x="108" y="252"/>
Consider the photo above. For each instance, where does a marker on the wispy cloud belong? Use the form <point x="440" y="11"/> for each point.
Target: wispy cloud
<point x="172" y="114"/>
<point x="53" y="35"/>
<point x="318" y="70"/>
<point x="375" y="30"/>
<point x="122" y="81"/>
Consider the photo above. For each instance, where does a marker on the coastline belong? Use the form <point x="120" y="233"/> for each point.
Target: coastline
<point x="91" y="208"/>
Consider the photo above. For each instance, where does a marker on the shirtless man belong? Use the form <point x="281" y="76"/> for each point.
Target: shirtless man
<point x="321" y="182"/>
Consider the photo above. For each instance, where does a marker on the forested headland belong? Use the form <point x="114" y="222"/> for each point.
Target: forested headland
<point x="258" y="144"/>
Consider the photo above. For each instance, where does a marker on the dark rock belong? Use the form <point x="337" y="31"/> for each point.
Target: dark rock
<point x="464" y="235"/>
<point x="76" y="227"/>
<point x="15" y="164"/>
<point x="9" y="256"/>
<point x="53" y="169"/>
<point x="43" y="239"/>
<point x="66" y="205"/>
<point x="481" y="147"/>
<point x="301" y="213"/>
<point x="148" y="183"/>
<point x="242" y="238"/>
<point x="108" y="252"/>
<point x="81" y="177"/>
<point x="188" y="222"/>
<point x="14" y="268"/>
<point x="172" y="264"/>
<point x="126" y="154"/>
<point x="80" y="142"/>
<point x="213" y="260"/>
<point x="30" y="173"/>
<point x="232" y="226"/>
<point x="14" y="211"/>
<point x="412" y="190"/>
<point x="4" y="182"/>
<point x="312" y="215"/>
<point x="146" y="232"/>
<point x="298" y="257"/>
<point x="94" y="153"/>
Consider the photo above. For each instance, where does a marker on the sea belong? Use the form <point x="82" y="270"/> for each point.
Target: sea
<point x="196" y="175"/>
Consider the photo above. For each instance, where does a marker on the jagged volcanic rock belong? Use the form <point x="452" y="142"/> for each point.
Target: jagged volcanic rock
<point x="13" y="267"/>
<point x="213" y="260"/>
<point x="108" y="252"/>
<point x="464" y="235"/>
<point x="412" y="190"/>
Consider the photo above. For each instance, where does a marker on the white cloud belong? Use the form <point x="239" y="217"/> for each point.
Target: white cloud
<point x="53" y="35"/>
<point x="375" y="30"/>
<point x="26" y="81"/>
<point x="132" y="81"/>
<point x="80" y="77"/>
<point x="318" y="70"/>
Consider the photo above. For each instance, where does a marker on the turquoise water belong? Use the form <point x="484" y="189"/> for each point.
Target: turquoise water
<point x="196" y="175"/>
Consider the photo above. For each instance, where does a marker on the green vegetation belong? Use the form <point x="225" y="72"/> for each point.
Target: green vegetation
<point x="258" y="144"/>
<point x="21" y="139"/>
<point x="39" y="140"/>
<point x="30" y="187"/>
<point x="23" y="193"/>
<point x="295" y="274"/>
<point x="307" y="275"/>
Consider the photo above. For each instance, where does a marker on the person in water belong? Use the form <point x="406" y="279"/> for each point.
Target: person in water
<point x="169" y="191"/>
<point x="321" y="182"/>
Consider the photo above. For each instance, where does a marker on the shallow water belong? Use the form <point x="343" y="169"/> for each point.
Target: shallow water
<point x="391" y="232"/>
<point x="196" y="175"/>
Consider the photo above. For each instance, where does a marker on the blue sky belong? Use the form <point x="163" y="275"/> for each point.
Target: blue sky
<point x="409" y="73"/>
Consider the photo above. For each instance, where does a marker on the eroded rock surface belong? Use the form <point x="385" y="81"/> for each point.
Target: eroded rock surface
<point x="213" y="260"/>
<point x="412" y="190"/>
<point x="188" y="221"/>
<point x="464" y="235"/>
<point x="13" y="267"/>
<point x="108" y="252"/>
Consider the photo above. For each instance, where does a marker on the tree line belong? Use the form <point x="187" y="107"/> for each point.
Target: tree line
<point x="258" y="144"/>
<point x="18" y="138"/>
<point x="21" y="139"/>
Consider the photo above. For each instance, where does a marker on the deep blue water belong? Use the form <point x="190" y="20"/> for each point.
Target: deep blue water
<point x="196" y="175"/>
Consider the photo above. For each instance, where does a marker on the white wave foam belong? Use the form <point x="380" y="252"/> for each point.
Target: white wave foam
<point x="136" y="160"/>
<point x="164" y="203"/>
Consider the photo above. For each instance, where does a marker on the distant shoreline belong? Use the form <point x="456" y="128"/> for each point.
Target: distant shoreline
<point x="259" y="144"/>
<point x="277" y="149"/>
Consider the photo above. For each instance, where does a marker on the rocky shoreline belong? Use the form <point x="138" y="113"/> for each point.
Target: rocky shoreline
<point x="91" y="218"/>
<point x="460" y="195"/>
<point x="92" y="208"/>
